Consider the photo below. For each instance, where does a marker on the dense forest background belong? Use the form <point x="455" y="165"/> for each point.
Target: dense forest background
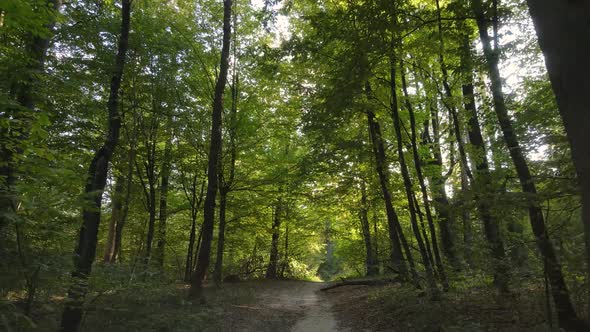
<point x="205" y="141"/>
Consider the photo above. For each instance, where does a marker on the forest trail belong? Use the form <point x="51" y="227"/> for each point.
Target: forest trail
<point x="318" y="315"/>
<point x="294" y="306"/>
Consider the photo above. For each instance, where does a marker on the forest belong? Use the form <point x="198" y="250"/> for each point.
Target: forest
<point x="237" y="165"/>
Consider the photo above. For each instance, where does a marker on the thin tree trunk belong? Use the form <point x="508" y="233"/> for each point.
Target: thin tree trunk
<point x="214" y="155"/>
<point x="466" y="216"/>
<point x="423" y="189"/>
<point x="563" y="305"/>
<point x="188" y="265"/>
<point x="150" y="168"/>
<point x="285" y="265"/>
<point x="117" y="256"/>
<point x="376" y="238"/>
<point x="396" y="255"/>
<point x="370" y="263"/>
<point x="423" y="230"/>
<point x="408" y="183"/>
<point x="441" y="201"/>
<point x="483" y="181"/>
<point x="195" y="203"/>
<point x="446" y="235"/>
<point x="116" y="216"/>
<point x="271" y="270"/>
<point x="97" y="176"/>
<point x="226" y="184"/>
<point x="165" y="174"/>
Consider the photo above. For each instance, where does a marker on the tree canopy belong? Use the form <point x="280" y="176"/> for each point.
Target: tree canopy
<point x="204" y="142"/>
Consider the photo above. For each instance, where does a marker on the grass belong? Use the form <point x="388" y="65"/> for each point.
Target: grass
<point x="141" y="307"/>
<point x="473" y="307"/>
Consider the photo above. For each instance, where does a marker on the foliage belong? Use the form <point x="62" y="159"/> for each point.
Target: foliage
<point x="303" y="77"/>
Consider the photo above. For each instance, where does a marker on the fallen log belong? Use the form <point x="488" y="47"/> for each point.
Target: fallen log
<point x="362" y="282"/>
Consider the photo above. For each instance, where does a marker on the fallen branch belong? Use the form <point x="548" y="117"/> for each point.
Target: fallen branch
<point x="363" y="282"/>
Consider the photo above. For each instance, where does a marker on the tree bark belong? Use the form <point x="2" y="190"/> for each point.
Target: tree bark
<point x="376" y="238"/>
<point x="116" y="216"/>
<point x="423" y="230"/>
<point x="563" y="305"/>
<point x="150" y="188"/>
<point x="214" y="155"/>
<point x="564" y="36"/>
<point x="227" y="183"/>
<point x="97" y="176"/>
<point x="408" y="182"/>
<point x="117" y="251"/>
<point x="195" y="204"/>
<point x="271" y="270"/>
<point x="285" y="265"/>
<point x="484" y="191"/>
<point x="423" y="189"/>
<point x="396" y="255"/>
<point x="441" y="201"/>
<point x="370" y="263"/>
<point x="446" y="235"/>
<point x="466" y="216"/>
<point x="165" y="175"/>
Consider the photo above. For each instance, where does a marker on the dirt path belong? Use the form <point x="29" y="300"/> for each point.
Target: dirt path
<point x="318" y="316"/>
<point x="294" y="306"/>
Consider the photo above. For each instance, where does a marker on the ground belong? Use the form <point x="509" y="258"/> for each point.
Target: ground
<point x="298" y="306"/>
<point x="477" y="309"/>
<point x="245" y="306"/>
<point x="285" y="306"/>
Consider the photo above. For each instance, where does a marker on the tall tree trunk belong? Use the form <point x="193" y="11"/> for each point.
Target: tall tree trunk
<point x="165" y="174"/>
<point x="371" y="266"/>
<point x="117" y="256"/>
<point x="376" y="238"/>
<point x="150" y="193"/>
<point x="563" y="305"/>
<point x="484" y="191"/>
<point x="441" y="201"/>
<point x="227" y="183"/>
<point x="97" y="176"/>
<point x="466" y="216"/>
<point x="188" y="265"/>
<point x="423" y="230"/>
<point x="285" y="265"/>
<point x="423" y="189"/>
<point x="396" y="255"/>
<point x="446" y="233"/>
<point x="214" y="155"/>
<point x="408" y="182"/>
<point x="564" y="36"/>
<point x="195" y="204"/>
<point x="116" y="216"/>
<point x="21" y="119"/>
<point x="271" y="270"/>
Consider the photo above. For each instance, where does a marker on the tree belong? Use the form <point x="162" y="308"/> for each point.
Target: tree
<point x="408" y="182"/>
<point x="22" y="114"/>
<point x="226" y="183"/>
<point x="562" y="29"/>
<point x="96" y="181"/>
<point x="564" y="307"/>
<point x="370" y="260"/>
<point x="214" y="154"/>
